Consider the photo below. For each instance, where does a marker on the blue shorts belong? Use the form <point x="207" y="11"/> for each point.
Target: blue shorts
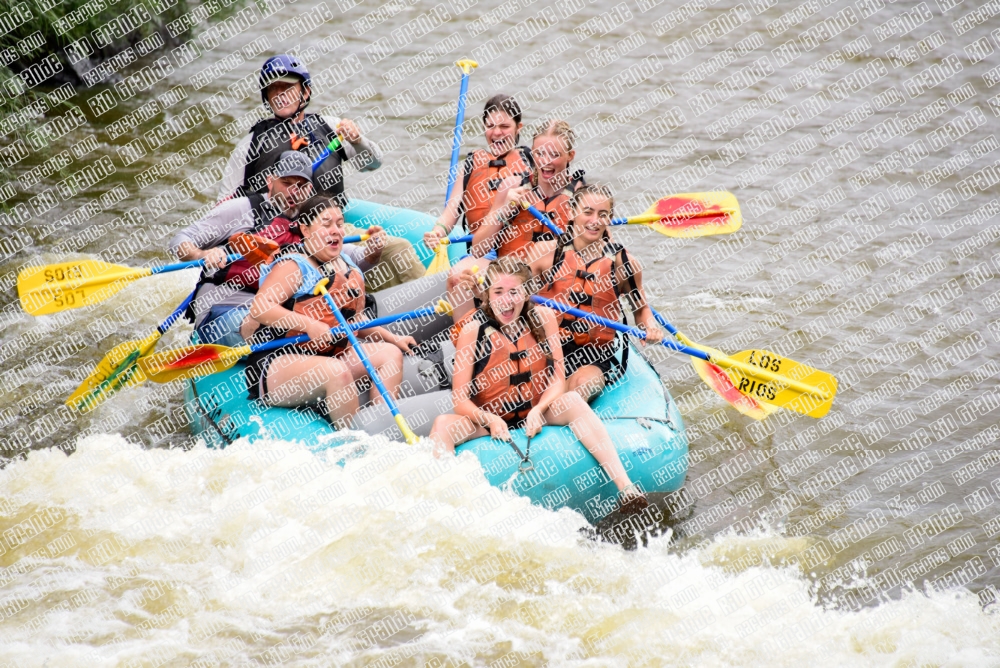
<point x="222" y="326"/>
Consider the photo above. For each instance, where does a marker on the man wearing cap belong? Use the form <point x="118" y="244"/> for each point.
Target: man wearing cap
<point x="286" y="88"/>
<point x="225" y="291"/>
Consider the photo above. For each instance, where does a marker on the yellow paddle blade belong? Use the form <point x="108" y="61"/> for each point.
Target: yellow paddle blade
<point x="693" y="215"/>
<point x="778" y="380"/>
<point x="440" y="262"/>
<point x="190" y="362"/>
<point x="116" y="370"/>
<point x="68" y="285"/>
<point x="717" y="379"/>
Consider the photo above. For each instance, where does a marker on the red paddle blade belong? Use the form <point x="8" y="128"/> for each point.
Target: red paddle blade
<point x="696" y="214"/>
<point x="190" y="361"/>
<point x="717" y="379"/>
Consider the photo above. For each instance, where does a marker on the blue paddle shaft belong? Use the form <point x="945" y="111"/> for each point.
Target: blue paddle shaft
<point x="617" y="326"/>
<point x="178" y="266"/>
<point x="339" y="331"/>
<point x="165" y="325"/>
<point x="456" y="144"/>
<point x="663" y="322"/>
<point x="542" y="218"/>
<point x="372" y="373"/>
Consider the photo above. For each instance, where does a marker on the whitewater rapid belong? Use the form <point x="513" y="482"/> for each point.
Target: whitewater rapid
<point x="269" y="554"/>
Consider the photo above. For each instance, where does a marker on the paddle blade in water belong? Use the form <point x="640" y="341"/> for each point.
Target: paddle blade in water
<point x="440" y="262"/>
<point x="190" y="362"/>
<point x="68" y="285"/>
<point x="717" y="379"/>
<point x="116" y="370"/>
<point x="696" y="214"/>
<point x="763" y="375"/>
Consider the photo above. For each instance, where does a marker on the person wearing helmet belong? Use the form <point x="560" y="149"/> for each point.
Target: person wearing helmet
<point x="286" y="89"/>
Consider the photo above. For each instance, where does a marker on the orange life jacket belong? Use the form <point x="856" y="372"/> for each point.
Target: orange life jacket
<point x="508" y="377"/>
<point x="524" y="229"/>
<point x="346" y="286"/>
<point x="590" y="287"/>
<point x="456" y="329"/>
<point x="483" y="175"/>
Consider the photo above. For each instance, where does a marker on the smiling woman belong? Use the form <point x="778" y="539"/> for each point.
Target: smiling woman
<point x="325" y="369"/>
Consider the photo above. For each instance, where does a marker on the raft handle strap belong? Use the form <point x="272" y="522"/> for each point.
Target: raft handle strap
<point x="525" y="464"/>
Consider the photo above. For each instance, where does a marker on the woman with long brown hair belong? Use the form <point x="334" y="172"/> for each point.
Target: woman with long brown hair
<point x="586" y="269"/>
<point x="509" y="375"/>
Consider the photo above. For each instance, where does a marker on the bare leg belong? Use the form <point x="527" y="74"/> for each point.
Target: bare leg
<point x="459" y="296"/>
<point x="388" y="362"/>
<point x="293" y="380"/>
<point x="570" y="409"/>
<point x="450" y="430"/>
<point x="587" y="381"/>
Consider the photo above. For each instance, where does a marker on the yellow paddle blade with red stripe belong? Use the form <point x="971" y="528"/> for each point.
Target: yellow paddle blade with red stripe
<point x="190" y="362"/>
<point x="116" y="370"/>
<point x="68" y="285"/>
<point x="768" y="377"/>
<point x="693" y="215"/>
<point x="441" y="262"/>
<point x="717" y="379"/>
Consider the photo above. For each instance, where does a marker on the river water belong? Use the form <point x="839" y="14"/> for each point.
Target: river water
<point x="860" y="141"/>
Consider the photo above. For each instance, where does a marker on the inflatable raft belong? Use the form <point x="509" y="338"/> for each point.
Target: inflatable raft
<point x="643" y="421"/>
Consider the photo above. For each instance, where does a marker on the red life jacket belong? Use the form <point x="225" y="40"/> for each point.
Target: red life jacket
<point x="590" y="287"/>
<point x="483" y="175"/>
<point x="346" y="286"/>
<point x="508" y="377"/>
<point x="244" y="274"/>
<point x="524" y="229"/>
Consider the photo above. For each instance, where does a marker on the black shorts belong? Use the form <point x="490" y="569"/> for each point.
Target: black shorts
<point x="257" y="365"/>
<point x="256" y="368"/>
<point x="576" y="357"/>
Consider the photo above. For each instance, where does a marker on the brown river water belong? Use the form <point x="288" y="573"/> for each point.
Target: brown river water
<point x="860" y="141"/>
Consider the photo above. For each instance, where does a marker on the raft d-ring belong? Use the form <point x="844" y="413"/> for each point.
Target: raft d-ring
<point x="525" y="466"/>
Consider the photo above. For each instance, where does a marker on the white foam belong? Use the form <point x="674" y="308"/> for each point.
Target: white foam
<point x="268" y="552"/>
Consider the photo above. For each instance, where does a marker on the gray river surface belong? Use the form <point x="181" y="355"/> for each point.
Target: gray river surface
<point x="860" y="141"/>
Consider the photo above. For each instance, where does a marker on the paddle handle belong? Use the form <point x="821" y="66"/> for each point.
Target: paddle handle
<point x="542" y="218"/>
<point x="334" y="144"/>
<point x="178" y="266"/>
<point x="408" y="434"/>
<point x="618" y="327"/>
<point x="357" y="238"/>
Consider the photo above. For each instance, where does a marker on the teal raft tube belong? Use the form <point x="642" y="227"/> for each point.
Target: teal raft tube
<point x="404" y="223"/>
<point x="642" y="419"/>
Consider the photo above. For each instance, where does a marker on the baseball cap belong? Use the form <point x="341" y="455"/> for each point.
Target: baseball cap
<point x="294" y="163"/>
